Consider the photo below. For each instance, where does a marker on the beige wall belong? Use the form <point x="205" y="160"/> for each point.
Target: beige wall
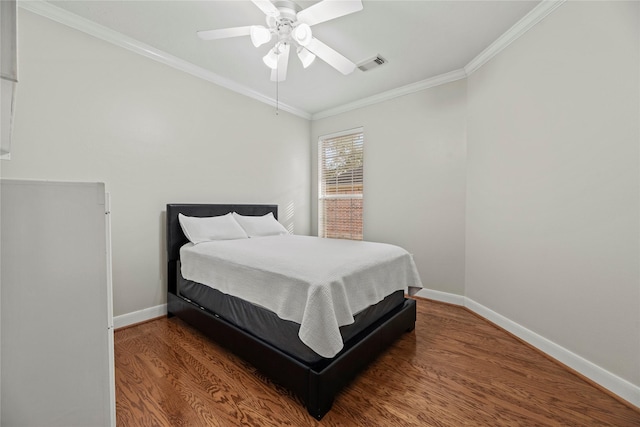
<point x="537" y="154"/>
<point x="91" y="111"/>
<point x="552" y="234"/>
<point x="414" y="172"/>
<point x="523" y="178"/>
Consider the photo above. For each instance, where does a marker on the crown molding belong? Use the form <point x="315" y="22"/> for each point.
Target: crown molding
<point x="43" y="8"/>
<point x="72" y="20"/>
<point x="393" y="93"/>
<point x="536" y="15"/>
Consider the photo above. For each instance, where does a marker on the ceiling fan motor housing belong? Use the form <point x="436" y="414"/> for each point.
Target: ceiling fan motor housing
<point x="283" y="24"/>
<point x="288" y="9"/>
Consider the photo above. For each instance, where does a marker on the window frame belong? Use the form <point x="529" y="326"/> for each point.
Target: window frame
<point x="323" y="196"/>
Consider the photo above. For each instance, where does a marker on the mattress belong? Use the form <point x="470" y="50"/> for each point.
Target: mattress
<point x="267" y="326"/>
<point x="318" y="283"/>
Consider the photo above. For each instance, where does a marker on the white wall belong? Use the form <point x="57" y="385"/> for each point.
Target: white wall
<point x="552" y="220"/>
<point x="91" y="111"/>
<point x="542" y="210"/>
<point x="414" y="169"/>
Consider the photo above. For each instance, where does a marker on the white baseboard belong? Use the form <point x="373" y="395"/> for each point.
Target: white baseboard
<point x="612" y="382"/>
<point x="616" y="385"/>
<point x="441" y="296"/>
<point x="139" y="316"/>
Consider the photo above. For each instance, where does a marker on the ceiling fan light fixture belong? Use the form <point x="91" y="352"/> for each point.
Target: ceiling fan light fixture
<point x="305" y="57"/>
<point x="259" y="35"/>
<point x="271" y="59"/>
<point x="291" y="26"/>
<point x="302" y="34"/>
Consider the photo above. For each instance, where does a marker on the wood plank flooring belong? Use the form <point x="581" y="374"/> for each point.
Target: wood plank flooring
<point x="455" y="369"/>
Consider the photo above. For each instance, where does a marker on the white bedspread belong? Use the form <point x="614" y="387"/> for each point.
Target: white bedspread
<point x="319" y="283"/>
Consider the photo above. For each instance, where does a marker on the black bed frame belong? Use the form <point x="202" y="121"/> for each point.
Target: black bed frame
<point x="316" y="384"/>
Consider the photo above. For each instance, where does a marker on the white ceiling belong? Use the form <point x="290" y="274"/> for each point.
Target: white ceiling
<point x="420" y="39"/>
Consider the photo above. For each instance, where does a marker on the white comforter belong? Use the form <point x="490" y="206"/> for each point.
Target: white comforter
<point x="319" y="283"/>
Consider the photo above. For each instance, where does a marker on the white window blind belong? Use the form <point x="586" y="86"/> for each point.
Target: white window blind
<point x="340" y="179"/>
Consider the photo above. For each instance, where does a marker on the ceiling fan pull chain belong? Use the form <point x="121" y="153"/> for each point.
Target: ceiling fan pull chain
<point x="278" y="79"/>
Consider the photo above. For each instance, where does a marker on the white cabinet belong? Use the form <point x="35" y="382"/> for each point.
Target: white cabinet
<point x="55" y="305"/>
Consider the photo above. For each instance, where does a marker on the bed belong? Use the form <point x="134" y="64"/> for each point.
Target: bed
<point x="270" y="341"/>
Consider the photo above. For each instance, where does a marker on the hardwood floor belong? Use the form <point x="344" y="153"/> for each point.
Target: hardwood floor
<point x="455" y="369"/>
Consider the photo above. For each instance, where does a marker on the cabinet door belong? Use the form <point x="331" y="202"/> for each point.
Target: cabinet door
<point x="55" y="324"/>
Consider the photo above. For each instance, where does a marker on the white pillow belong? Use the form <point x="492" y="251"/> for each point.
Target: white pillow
<point x="206" y="229"/>
<point x="256" y="226"/>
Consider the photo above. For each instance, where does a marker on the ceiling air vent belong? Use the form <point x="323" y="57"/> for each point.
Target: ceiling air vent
<point x="371" y="63"/>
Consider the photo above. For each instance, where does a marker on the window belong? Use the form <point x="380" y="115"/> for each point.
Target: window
<point x="340" y="181"/>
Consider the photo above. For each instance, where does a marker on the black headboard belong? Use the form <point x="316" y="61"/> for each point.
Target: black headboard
<point x="176" y="238"/>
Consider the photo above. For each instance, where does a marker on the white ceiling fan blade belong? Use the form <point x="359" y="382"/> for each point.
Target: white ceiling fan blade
<point x="224" y="33"/>
<point x="279" y="74"/>
<point x="330" y="56"/>
<point x="267" y="7"/>
<point x="327" y="10"/>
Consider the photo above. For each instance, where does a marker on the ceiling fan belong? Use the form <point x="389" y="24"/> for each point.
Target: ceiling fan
<point x="291" y="27"/>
